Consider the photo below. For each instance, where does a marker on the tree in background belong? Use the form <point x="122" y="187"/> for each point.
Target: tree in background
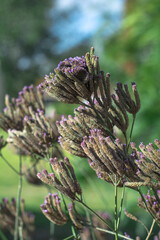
<point x="134" y="52"/>
<point x="23" y="42"/>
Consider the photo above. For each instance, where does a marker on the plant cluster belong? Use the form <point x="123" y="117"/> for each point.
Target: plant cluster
<point x="100" y="130"/>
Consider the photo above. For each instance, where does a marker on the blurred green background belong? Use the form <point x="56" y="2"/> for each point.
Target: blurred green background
<point x="36" y="35"/>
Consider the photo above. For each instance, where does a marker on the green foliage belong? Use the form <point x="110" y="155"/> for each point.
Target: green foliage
<point x="22" y="28"/>
<point x="134" y="53"/>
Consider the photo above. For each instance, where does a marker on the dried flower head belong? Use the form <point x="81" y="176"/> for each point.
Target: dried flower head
<point x="77" y="220"/>
<point x="73" y="129"/>
<point x="8" y="214"/>
<point x="62" y="178"/>
<point x="17" y="109"/>
<point x="52" y="209"/>
<point x="74" y="78"/>
<point x="125" y="98"/>
<point x="151" y="205"/>
<point x="109" y="158"/>
<point x="148" y="162"/>
<point x="38" y="135"/>
<point x="113" y="108"/>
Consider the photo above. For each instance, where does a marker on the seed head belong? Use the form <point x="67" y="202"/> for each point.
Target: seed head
<point x="109" y="158"/>
<point x="74" y="78"/>
<point x="16" y="109"/>
<point x="62" y="178"/>
<point x="52" y="209"/>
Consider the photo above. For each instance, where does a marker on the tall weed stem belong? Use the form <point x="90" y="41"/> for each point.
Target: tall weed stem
<point x="115" y="210"/>
<point x="151" y="229"/>
<point x="18" y="198"/>
<point x="80" y="201"/>
<point x="113" y="233"/>
<point x="120" y="210"/>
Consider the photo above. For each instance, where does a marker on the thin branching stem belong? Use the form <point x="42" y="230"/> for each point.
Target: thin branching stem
<point x="132" y="126"/>
<point x="21" y="230"/>
<point x="5" y="160"/>
<point x="13" y="169"/>
<point x="90" y="220"/>
<point x="151" y="229"/>
<point x="18" y="198"/>
<point x="121" y="206"/>
<point x="113" y="233"/>
<point x="126" y="140"/>
<point x="94" y="186"/>
<point x="51" y="231"/>
<point x="67" y="238"/>
<point x="115" y="209"/>
<point x="85" y="205"/>
<point x="74" y="232"/>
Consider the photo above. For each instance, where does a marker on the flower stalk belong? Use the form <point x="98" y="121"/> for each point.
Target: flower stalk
<point x="16" y="231"/>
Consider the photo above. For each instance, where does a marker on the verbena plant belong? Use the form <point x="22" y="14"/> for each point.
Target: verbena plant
<point x="100" y="130"/>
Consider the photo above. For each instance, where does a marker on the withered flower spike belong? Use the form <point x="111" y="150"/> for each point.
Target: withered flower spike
<point x="126" y="100"/>
<point x="63" y="178"/>
<point x="108" y="158"/>
<point x="17" y="109"/>
<point x="53" y="211"/>
<point x="148" y="162"/>
<point x="153" y="205"/>
<point x="73" y="129"/>
<point x="39" y="134"/>
<point x="74" y="79"/>
<point x="74" y="217"/>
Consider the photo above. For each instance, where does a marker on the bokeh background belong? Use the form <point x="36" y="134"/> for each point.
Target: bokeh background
<point x="36" y="35"/>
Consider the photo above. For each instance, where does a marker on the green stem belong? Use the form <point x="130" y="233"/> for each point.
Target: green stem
<point x="51" y="231"/>
<point x="120" y="210"/>
<point x="3" y="237"/>
<point x="115" y="210"/>
<point x="74" y="232"/>
<point x="126" y="140"/>
<point x="151" y="229"/>
<point x="18" y="199"/>
<point x="80" y="201"/>
<point x="90" y="220"/>
<point x="21" y="230"/>
<point x="130" y="136"/>
<point x="68" y="237"/>
<point x="94" y="185"/>
<point x="113" y="233"/>
<point x="5" y="160"/>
